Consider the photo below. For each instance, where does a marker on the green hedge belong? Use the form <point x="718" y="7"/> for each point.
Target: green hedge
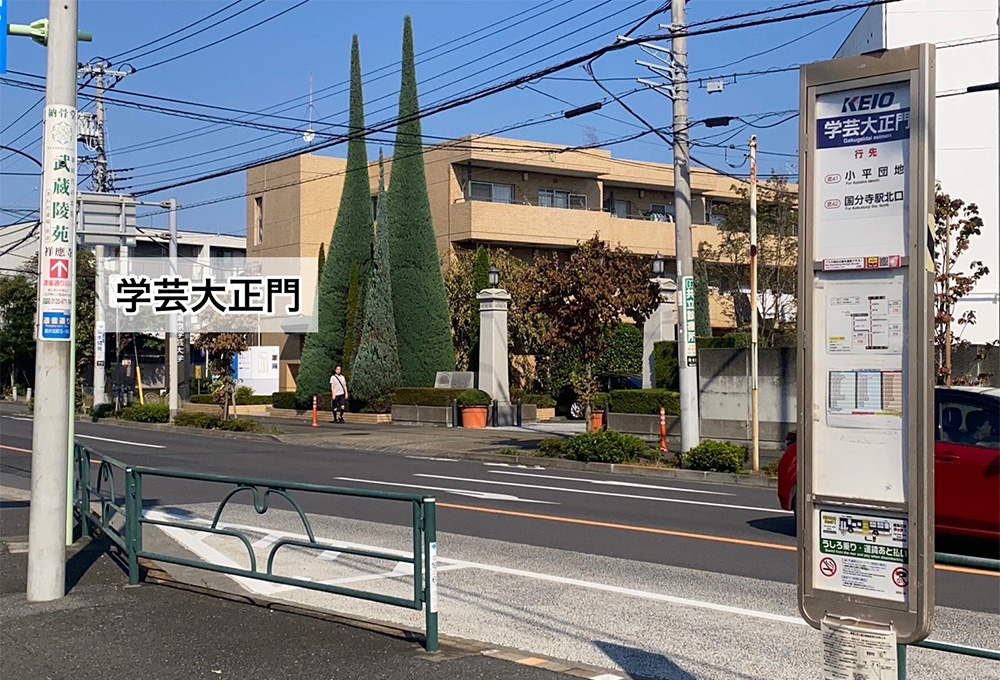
<point x="645" y="401"/>
<point x="425" y="396"/>
<point x="665" y="363"/>
<point x="606" y="446"/>
<point x="103" y="411"/>
<point x="600" y="401"/>
<point x="715" y="456"/>
<point x="241" y="399"/>
<point x="207" y="421"/>
<point x="150" y="413"/>
<point x="290" y="400"/>
<point x="737" y="340"/>
<point x="539" y="400"/>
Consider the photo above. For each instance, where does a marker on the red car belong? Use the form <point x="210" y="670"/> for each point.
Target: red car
<point x="966" y="463"/>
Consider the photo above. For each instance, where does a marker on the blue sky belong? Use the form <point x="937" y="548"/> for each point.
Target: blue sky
<point x="271" y="64"/>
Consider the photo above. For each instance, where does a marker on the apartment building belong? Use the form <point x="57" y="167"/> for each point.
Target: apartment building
<point x="527" y="197"/>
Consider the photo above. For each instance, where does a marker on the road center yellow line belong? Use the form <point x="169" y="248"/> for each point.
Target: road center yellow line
<point x="678" y="534"/>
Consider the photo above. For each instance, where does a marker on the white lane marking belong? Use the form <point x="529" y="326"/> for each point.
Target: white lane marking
<point x="21" y="418"/>
<point x="484" y="495"/>
<point x="266" y="542"/>
<point x="328" y="555"/>
<point x="522" y="467"/>
<point x="683" y="501"/>
<point x="119" y="441"/>
<point x="451" y="563"/>
<point x="611" y="482"/>
<point x="440" y="460"/>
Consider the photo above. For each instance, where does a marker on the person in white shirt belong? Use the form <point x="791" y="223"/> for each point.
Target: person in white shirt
<point x="338" y="389"/>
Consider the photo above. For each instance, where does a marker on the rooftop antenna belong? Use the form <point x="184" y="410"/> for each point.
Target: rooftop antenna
<point x="310" y="134"/>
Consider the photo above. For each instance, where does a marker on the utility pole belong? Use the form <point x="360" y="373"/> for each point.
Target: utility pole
<point x="54" y="326"/>
<point x="687" y="359"/>
<point x="171" y="358"/>
<point x="754" y="414"/>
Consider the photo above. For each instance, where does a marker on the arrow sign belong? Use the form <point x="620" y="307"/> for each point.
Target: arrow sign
<point x="59" y="269"/>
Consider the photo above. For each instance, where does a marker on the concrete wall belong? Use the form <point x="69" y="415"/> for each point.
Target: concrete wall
<point x="724" y="384"/>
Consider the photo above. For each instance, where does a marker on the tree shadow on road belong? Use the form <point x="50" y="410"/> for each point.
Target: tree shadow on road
<point x="639" y="663"/>
<point x="784" y="525"/>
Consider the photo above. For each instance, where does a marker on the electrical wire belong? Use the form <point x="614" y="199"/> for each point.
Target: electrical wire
<point x="115" y="57"/>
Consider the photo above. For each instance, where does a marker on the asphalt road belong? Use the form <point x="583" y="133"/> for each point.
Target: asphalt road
<point x="729" y="530"/>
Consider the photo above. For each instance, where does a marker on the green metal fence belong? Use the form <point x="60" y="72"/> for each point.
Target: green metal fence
<point x="120" y="518"/>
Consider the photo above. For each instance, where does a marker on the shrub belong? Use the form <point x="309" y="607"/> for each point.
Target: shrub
<point x="715" y="456"/>
<point x="730" y="340"/>
<point x="425" y="396"/>
<point x="539" y="400"/>
<point x="600" y="401"/>
<point x="474" y="398"/>
<point x="606" y="446"/>
<point x="554" y="447"/>
<point x="665" y="363"/>
<point x="240" y="425"/>
<point x="103" y="411"/>
<point x="242" y="399"/>
<point x="509" y="451"/>
<point x="205" y="421"/>
<point x="148" y="413"/>
<point x="771" y="469"/>
<point x="645" y="401"/>
<point x="243" y="392"/>
<point x="624" y="353"/>
<point x="282" y="400"/>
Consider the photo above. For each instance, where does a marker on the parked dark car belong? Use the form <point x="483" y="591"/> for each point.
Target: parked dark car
<point x="966" y="463"/>
<point x="574" y="409"/>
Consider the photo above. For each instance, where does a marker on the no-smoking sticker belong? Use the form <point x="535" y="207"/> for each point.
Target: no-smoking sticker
<point x="827" y="567"/>
<point x="901" y="577"/>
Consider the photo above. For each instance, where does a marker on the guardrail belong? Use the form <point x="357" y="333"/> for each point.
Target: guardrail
<point x="120" y="518"/>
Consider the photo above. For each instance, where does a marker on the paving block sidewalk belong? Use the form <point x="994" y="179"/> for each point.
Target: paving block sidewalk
<point x="104" y="629"/>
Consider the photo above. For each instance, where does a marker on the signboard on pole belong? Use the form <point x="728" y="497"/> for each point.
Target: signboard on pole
<point x="688" y="326"/>
<point x="57" y="248"/>
<point x="866" y="486"/>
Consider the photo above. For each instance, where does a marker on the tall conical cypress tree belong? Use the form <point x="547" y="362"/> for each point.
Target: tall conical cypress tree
<point x="320" y="263"/>
<point x="423" y="326"/>
<point x="351" y="243"/>
<point x="376" y="371"/>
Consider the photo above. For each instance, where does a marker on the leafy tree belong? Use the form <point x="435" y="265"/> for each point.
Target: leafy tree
<point x="623" y="355"/>
<point x="376" y="371"/>
<point x="955" y="223"/>
<point x="17" y="342"/>
<point x="777" y="256"/>
<point x="419" y="298"/>
<point x="585" y="299"/>
<point x="480" y="281"/>
<point x="351" y="243"/>
<point x="353" y="300"/>
<point x="221" y="348"/>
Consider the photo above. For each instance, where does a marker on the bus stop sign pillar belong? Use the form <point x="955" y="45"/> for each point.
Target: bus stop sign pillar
<point x="866" y="469"/>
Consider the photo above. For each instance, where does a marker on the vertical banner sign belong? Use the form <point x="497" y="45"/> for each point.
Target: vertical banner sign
<point x="687" y="319"/>
<point x="57" y="249"/>
<point x="866" y="530"/>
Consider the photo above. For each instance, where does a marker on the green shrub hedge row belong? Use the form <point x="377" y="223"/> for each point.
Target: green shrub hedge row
<point x="241" y="400"/>
<point x="207" y="421"/>
<point x="645" y="401"/>
<point x="149" y="413"/>
<point x="605" y="446"/>
<point x="714" y="456"/>
<point x="539" y="400"/>
<point x="425" y="396"/>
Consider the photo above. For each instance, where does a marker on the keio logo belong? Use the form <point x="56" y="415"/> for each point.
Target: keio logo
<point x="868" y="102"/>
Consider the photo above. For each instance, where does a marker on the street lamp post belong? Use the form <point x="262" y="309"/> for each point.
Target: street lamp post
<point x="662" y="322"/>
<point x="493" y="357"/>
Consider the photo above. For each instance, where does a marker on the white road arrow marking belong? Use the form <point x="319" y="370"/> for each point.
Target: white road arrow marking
<point x="611" y="482"/>
<point x="682" y="501"/>
<point x="484" y="495"/>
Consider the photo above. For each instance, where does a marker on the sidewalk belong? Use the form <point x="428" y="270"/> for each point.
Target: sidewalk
<point x="104" y="629"/>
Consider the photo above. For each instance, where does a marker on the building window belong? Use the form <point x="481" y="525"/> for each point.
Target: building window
<point x="621" y="208"/>
<point x="662" y="212"/>
<point x="258" y="217"/>
<point x="491" y="193"/>
<point x="578" y="201"/>
<point x="553" y="198"/>
<point x="715" y="211"/>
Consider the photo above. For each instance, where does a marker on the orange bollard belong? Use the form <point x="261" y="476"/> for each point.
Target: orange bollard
<point x="663" y="430"/>
<point x="315" y="411"/>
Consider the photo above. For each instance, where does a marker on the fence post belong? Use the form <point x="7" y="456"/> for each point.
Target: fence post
<point x="519" y="416"/>
<point x="456" y="417"/>
<point x="430" y="574"/>
<point x="133" y="506"/>
<point x="83" y="489"/>
<point x="901" y="662"/>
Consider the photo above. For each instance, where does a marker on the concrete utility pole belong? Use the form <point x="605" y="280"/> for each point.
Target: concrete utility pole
<point x="754" y="414"/>
<point x="687" y="357"/>
<point x="93" y="132"/>
<point x="54" y="327"/>
<point x="171" y="358"/>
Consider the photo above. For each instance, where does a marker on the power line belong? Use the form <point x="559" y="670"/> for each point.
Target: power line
<point x="173" y="33"/>
<point x="230" y="36"/>
<point x="495" y="89"/>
